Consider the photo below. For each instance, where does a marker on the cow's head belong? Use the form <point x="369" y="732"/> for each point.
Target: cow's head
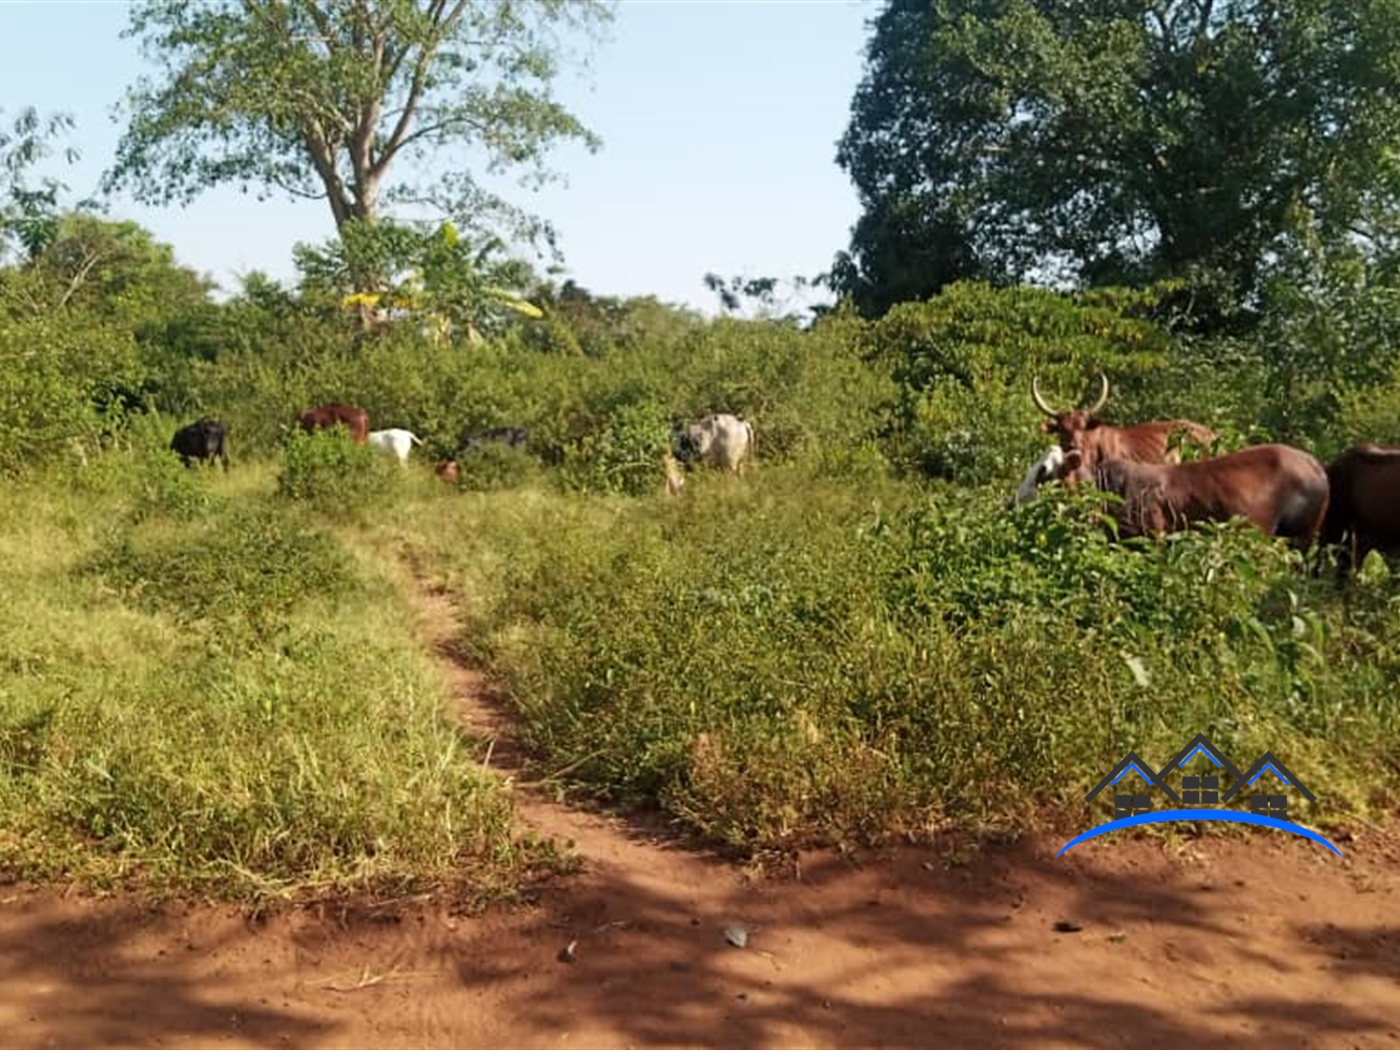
<point x="1070" y="427"/>
<point x="693" y="441"/>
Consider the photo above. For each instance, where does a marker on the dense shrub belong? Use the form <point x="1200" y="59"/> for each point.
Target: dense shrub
<point x="796" y="662"/>
<point x="51" y="369"/>
<point x="328" y="470"/>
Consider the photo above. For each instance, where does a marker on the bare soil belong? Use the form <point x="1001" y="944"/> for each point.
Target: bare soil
<point x="1263" y="941"/>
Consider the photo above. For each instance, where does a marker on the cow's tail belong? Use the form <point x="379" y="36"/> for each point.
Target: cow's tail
<point x="753" y="445"/>
<point x="414" y="438"/>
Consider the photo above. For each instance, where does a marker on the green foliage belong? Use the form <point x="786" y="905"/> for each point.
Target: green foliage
<point x="325" y="102"/>
<point x="800" y="662"/>
<point x="52" y="371"/>
<point x="964" y="361"/>
<point x="625" y="455"/>
<point x="1115" y="144"/>
<point x="495" y="466"/>
<point x="28" y="212"/>
<point x="430" y="277"/>
<point x="116" y="270"/>
<point x="166" y="488"/>
<point x="244" y="571"/>
<point x="329" y="471"/>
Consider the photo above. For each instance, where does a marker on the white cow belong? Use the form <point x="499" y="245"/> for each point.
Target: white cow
<point x="1041" y="471"/>
<point x="397" y="442"/>
<point x="721" y="440"/>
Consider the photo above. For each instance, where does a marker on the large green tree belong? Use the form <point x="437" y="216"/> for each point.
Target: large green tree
<point x="1118" y="141"/>
<point x="324" y="98"/>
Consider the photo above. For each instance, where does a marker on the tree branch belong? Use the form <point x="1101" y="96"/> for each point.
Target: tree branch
<point x="420" y="72"/>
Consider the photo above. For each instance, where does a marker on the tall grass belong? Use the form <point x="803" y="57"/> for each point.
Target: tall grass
<point x="203" y="688"/>
<point x="795" y="659"/>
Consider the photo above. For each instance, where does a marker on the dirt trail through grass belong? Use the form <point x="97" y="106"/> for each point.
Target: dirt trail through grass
<point x="1261" y="941"/>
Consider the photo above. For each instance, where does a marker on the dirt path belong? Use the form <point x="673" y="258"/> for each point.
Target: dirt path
<point x="1262" y="942"/>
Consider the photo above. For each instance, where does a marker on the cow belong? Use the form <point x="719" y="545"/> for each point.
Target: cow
<point x="397" y="442"/>
<point x="719" y="439"/>
<point x="1363" y="514"/>
<point x="449" y="471"/>
<point x="204" y="439"/>
<point x="356" y="420"/>
<point x="513" y="437"/>
<point x="1042" y="470"/>
<point x="1283" y="491"/>
<point x="1097" y="441"/>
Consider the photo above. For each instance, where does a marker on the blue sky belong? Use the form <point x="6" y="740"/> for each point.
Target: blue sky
<point x="719" y="121"/>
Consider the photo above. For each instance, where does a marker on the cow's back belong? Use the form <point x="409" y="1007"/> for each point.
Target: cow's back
<point x="1365" y="484"/>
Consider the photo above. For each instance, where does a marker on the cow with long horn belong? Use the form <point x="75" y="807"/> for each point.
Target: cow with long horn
<point x="1088" y="441"/>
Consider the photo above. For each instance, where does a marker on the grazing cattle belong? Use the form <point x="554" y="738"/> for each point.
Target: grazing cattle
<point x="1283" y="491"/>
<point x="204" y="439"/>
<point x="356" y="420"/>
<point x="397" y="442"/>
<point x="721" y="440"/>
<point x="1363" y="514"/>
<point x="1096" y="441"/>
<point x="449" y="471"/>
<point x="513" y="437"/>
<point x="1042" y="470"/>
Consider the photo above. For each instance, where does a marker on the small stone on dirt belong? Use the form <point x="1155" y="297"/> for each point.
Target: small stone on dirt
<point x="1064" y="926"/>
<point x="736" y="934"/>
<point x="567" y="954"/>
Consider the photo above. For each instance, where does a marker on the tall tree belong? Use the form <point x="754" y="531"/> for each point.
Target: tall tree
<point x="321" y="98"/>
<point x="29" y="212"/>
<point x="1117" y="141"/>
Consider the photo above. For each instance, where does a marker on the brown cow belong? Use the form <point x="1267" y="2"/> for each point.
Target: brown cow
<point x="1097" y="441"/>
<point x="449" y="471"/>
<point x="1364" y="510"/>
<point x="356" y="420"/>
<point x="1282" y="490"/>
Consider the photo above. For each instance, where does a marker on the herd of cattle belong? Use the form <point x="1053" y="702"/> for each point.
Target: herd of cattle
<point x="720" y="439"/>
<point x="1351" y="504"/>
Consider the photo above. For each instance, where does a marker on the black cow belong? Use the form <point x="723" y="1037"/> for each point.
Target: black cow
<point x="204" y="439"/>
<point x="1363" y="514"/>
<point x="514" y="437"/>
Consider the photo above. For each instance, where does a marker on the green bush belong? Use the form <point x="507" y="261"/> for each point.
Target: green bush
<point x="328" y="470"/>
<point x="625" y="455"/>
<point x="801" y="662"/>
<point x="495" y="465"/>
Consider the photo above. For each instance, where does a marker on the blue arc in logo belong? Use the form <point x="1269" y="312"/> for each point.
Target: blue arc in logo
<point x="1166" y="816"/>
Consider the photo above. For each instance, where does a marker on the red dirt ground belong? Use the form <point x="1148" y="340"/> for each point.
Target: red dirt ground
<point x="1264" y="941"/>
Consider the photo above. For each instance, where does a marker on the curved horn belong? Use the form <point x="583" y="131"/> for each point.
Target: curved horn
<point x="1103" y="395"/>
<point x="1040" y="401"/>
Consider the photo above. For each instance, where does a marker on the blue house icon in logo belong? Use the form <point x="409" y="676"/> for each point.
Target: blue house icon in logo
<point x="1269" y="805"/>
<point x="1202" y="790"/>
<point x="1128" y="805"/>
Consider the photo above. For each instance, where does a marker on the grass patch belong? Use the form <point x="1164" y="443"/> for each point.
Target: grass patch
<point x="807" y="660"/>
<point x="229" y="702"/>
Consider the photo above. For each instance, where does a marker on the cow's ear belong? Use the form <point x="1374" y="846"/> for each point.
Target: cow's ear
<point x="1047" y="426"/>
